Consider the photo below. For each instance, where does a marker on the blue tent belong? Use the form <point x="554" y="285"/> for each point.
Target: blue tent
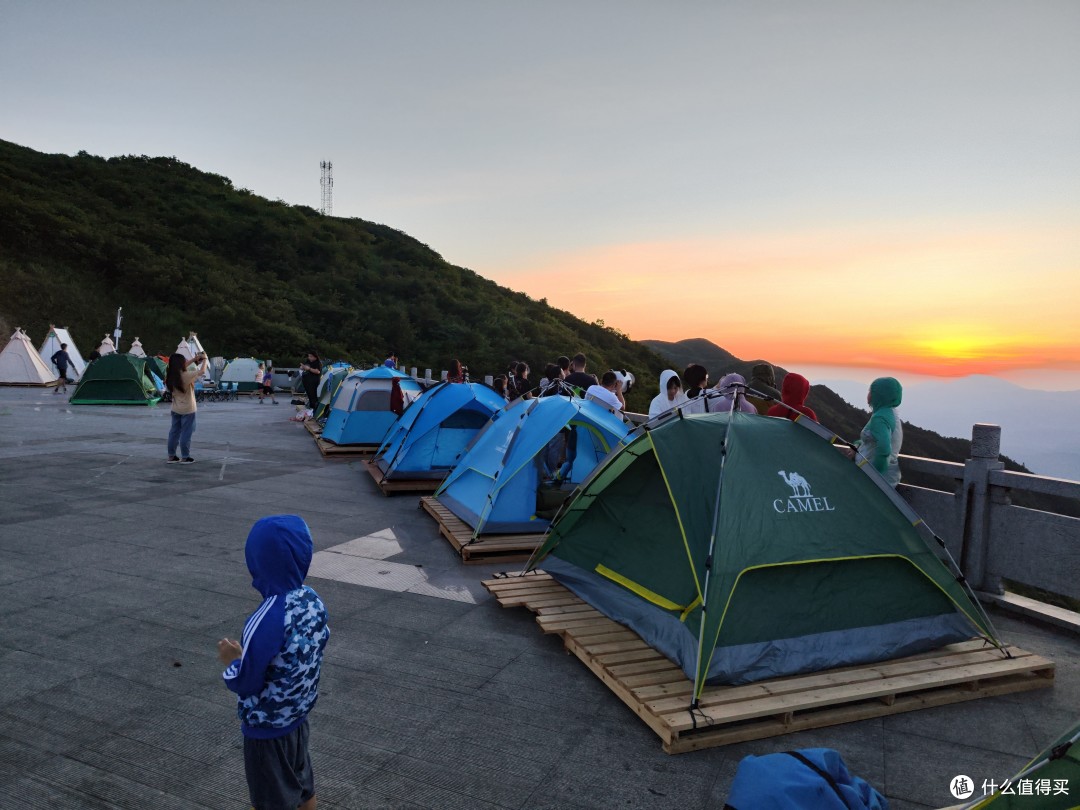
<point x="427" y="439"/>
<point x="502" y="480"/>
<point x="360" y="412"/>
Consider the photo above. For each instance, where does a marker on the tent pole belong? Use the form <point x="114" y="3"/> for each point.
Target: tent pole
<point x="699" y="681"/>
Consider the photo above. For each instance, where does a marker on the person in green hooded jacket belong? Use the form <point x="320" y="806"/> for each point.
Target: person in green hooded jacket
<point x="881" y="437"/>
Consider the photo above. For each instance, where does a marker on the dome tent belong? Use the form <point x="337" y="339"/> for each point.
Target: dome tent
<point x="687" y="533"/>
<point x="57" y="336"/>
<point x="496" y="484"/>
<point x="333" y="374"/>
<point x="426" y="440"/>
<point x="360" y="412"/>
<point x="21" y="365"/>
<point x="243" y="371"/>
<point x="118" y="379"/>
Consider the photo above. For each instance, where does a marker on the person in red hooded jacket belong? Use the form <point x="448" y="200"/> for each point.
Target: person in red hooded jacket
<point x="793" y="393"/>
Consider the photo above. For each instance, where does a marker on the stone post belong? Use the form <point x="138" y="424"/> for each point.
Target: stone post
<point x="975" y="508"/>
<point x="412" y="373"/>
<point x="443" y="375"/>
<point x="427" y="375"/>
<point x="489" y="380"/>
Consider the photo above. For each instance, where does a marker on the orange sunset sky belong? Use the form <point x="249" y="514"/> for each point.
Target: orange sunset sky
<point x="965" y="302"/>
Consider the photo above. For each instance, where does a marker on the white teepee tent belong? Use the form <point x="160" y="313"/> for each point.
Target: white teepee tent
<point x="137" y="348"/>
<point x="106" y="347"/>
<point x="57" y="336"/>
<point x="185" y="349"/>
<point x="21" y="365"/>
<point x="197" y="349"/>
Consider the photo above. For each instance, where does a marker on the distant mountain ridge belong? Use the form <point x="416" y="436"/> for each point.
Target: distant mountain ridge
<point x="834" y="412"/>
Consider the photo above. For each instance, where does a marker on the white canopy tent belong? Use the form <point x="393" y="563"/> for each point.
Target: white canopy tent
<point x="51" y="345"/>
<point x="21" y="365"/>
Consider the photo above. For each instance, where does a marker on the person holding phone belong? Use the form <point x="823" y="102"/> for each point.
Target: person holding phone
<point x="180" y="380"/>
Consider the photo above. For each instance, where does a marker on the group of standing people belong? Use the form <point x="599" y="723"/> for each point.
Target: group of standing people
<point x="879" y="441"/>
<point x="565" y="375"/>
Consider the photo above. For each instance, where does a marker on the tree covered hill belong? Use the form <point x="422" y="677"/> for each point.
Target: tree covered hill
<point x="180" y="249"/>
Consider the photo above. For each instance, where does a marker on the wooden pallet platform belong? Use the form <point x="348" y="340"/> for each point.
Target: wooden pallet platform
<point x="396" y="485"/>
<point x="659" y="692"/>
<point x="313" y="427"/>
<point x="331" y="450"/>
<point x="487" y="548"/>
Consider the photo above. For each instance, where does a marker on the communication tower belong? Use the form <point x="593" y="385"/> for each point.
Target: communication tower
<point x="327" y="183"/>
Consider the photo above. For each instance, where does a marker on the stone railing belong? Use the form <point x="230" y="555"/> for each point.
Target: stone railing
<point x="989" y="536"/>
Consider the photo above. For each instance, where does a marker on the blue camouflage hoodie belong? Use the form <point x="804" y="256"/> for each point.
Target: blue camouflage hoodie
<point x="276" y="679"/>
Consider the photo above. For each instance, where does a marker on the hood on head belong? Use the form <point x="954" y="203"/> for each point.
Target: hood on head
<point x="765" y="373"/>
<point x="666" y="375"/>
<point x="885" y="392"/>
<point x="729" y="381"/>
<point x="794" y="390"/>
<point x="278" y="553"/>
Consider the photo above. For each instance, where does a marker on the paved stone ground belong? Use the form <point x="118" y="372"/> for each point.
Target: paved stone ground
<point x="118" y="574"/>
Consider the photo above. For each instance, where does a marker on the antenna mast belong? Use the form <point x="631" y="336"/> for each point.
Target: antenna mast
<point x="327" y="183"/>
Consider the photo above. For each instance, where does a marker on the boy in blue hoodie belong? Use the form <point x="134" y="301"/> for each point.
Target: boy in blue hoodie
<point x="274" y="669"/>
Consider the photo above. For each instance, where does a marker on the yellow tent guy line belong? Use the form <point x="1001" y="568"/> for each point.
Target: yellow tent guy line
<point x="678" y="517"/>
<point x="731" y="595"/>
<point x="690" y="607"/>
<point x="640" y="590"/>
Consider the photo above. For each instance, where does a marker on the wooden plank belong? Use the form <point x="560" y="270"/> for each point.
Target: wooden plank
<point x="776" y="686"/>
<point x="484" y="548"/>
<point x="853" y="692"/>
<point x="726" y="695"/>
<point x="659" y="692"/>
<point x="331" y="450"/>
<point x="848" y="713"/>
<point x="390" y="486"/>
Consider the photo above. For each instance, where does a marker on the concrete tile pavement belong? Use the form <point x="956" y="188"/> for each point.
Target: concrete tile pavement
<point x="118" y="573"/>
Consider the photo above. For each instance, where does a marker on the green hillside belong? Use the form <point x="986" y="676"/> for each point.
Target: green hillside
<point x="180" y="249"/>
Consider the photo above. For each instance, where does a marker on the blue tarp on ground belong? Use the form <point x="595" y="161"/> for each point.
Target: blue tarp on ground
<point x="426" y="440"/>
<point x="495" y="486"/>
<point x="360" y="412"/>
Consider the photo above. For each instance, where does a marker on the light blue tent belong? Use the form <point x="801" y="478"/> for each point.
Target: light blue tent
<point x="427" y="439"/>
<point x="360" y="413"/>
<point x="500" y="481"/>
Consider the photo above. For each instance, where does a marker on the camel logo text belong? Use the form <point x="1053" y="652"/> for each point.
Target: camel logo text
<point x="801" y="499"/>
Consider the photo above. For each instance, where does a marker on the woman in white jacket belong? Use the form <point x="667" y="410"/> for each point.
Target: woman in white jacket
<point x="671" y="394"/>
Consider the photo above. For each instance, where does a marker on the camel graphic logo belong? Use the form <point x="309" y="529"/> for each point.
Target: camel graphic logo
<point x="801" y="498"/>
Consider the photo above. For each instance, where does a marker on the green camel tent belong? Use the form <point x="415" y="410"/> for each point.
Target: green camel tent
<point x="746" y="547"/>
<point x="119" y="379"/>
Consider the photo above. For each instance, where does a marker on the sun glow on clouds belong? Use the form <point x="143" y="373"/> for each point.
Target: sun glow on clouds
<point x="971" y="302"/>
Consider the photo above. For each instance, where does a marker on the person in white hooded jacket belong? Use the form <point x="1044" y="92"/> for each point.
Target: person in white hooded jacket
<point x="671" y="394"/>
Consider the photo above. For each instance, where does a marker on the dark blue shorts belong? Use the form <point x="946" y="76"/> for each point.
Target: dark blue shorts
<point x="278" y="771"/>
